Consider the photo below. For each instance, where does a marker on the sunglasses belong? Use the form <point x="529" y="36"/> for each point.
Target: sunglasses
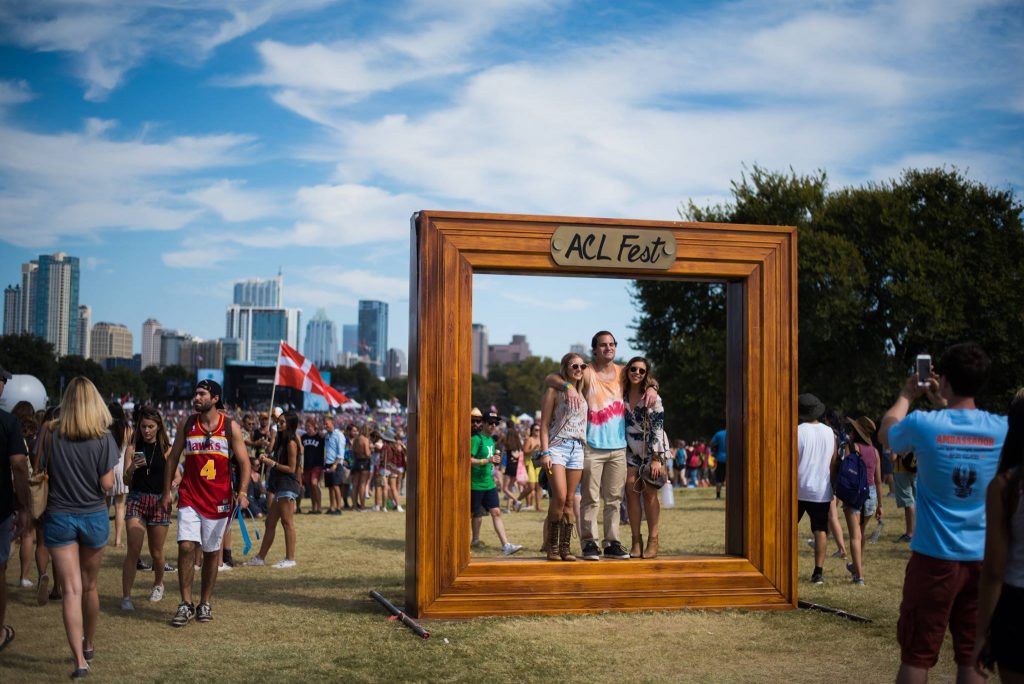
<point x="578" y="366"/>
<point x="639" y="370"/>
<point x="494" y="422"/>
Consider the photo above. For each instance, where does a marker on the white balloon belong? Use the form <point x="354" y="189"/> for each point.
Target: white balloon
<point x="23" y="388"/>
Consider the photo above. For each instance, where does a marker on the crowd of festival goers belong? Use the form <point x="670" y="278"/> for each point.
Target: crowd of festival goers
<point x="599" y="447"/>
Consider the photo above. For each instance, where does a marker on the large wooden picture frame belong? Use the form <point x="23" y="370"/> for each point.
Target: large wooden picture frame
<point x="759" y="266"/>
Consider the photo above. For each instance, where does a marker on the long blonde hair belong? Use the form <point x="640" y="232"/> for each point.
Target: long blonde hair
<point x="83" y="414"/>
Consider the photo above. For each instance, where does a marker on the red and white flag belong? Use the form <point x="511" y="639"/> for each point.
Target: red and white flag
<point x="296" y="371"/>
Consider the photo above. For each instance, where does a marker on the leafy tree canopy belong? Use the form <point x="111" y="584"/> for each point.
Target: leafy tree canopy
<point x="886" y="271"/>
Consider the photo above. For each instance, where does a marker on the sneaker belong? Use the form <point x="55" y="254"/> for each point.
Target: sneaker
<point x="476" y="543"/>
<point x="168" y="567"/>
<point x="810" y="542"/>
<point x="223" y="567"/>
<point x="904" y="538"/>
<point x="43" y="590"/>
<point x="126" y="603"/>
<point x="204" y="613"/>
<point x="839" y="554"/>
<point x="510" y="548"/>
<point x="858" y="581"/>
<point x="142" y="565"/>
<point x="281" y="564"/>
<point x="26" y="583"/>
<point x="849" y="569"/>
<point x="590" y="551"/>
<point x="157" y="594"/>
<point x="254" y="562"/>
<point x="616" y="551"/>
<point x="400" y="509"/>
<point x="183" y="615"/>
<point x="376" y="508"/>
<point x="818" y="578"/>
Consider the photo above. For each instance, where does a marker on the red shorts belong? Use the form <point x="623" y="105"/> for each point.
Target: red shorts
<point x="937" y="593"/>
<point x="314" y="473"/>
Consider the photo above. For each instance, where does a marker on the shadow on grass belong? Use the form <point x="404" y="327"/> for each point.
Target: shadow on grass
<point x="382" y="544"/>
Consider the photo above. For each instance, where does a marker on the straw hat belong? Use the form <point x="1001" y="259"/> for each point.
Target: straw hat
<point x="864" y="426"/>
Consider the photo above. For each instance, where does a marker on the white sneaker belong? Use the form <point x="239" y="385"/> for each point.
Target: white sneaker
<point x="126" y="603"/>
<point x="254" y="562"/>
<point x="27" y="583"/>
<point x="510" y="548"/>
<point x="376" y="508"/>
<point x="400" y="509"/>
<point x="157" y="594"/>
<point x="284" y="564"/>
<point x="224" y="567"/>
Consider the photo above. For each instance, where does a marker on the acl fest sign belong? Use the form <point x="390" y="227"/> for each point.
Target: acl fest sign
<point x="604" y="247"/>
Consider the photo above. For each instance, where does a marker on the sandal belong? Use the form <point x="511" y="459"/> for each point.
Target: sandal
<point x="8" y="636"/>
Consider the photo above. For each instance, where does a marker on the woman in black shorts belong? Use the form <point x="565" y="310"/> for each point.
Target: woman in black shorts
<point x="144" y="473"/>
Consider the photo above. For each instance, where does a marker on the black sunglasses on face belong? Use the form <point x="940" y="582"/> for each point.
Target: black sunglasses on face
<point x="639" y="370"/>
<point x="578" y="366"/>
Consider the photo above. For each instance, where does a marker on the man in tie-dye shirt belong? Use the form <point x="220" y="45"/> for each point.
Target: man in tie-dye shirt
<point x="604" y="457"/>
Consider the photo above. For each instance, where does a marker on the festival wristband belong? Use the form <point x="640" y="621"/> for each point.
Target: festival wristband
<point x="565" y="387"/>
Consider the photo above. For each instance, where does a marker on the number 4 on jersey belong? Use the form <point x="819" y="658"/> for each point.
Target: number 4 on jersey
<point x="209" y="470"/>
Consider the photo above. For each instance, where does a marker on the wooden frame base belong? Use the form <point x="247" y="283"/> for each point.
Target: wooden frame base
<point x="758" y="263"/>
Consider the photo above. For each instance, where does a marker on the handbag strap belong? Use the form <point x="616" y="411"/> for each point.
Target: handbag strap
<point x="44" y="446"/>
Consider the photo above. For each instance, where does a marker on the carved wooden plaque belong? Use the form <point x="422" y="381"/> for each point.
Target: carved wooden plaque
<point x="758" y="265"/>
<point x="602" y="247"/>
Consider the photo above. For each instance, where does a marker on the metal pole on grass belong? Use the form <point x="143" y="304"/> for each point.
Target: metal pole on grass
<point x="396" y="614"/>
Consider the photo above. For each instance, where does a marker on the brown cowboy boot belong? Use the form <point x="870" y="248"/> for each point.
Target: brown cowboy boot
<point x="637" y="551"/>
<point x="565" y="530"/>
<point x="551" y="534"/>
<point x="652" y="546"/>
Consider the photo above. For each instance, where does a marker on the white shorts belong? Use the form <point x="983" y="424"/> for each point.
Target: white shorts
<point x="209" y="532"/>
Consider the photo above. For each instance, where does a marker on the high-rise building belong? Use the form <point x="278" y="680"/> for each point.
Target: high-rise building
<point x="12" y="310"/>
<point x="262" y="293"/>
<point x="321" y="343"/>
<point x="151" y="343"/>
<point x="396" y="367"/>
<point x="514" y="352"/>
<point x="110" y="341"/>
<point x="260" y="331"/>
<point x="84" y="323"/>
<point x="350" y="339"/>
<point x="480" y="355"/>
<point x="579" y="349"/>
<point x="29" y="273"/>
<point x="171" y="347"/>
<point x="56" y="301"/>
<point x="373" y="333"/>
<point x="196" y="354"/>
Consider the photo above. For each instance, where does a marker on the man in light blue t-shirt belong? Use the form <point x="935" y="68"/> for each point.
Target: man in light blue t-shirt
<point x="957" y="449"/>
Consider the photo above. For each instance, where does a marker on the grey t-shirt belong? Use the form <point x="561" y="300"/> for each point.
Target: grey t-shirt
<point x="75" y="470"/>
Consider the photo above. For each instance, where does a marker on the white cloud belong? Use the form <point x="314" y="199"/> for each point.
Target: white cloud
<point x="362" y="284"/>
<point x="198" y="255"/>
<point x="108" y="39"/>
<point x="14" y="93"/>
<point x="232" y="202"/>
<point x="340" y="215"/>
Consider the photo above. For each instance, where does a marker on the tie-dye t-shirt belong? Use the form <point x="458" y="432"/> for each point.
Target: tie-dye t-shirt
<point x="606" y="424"/>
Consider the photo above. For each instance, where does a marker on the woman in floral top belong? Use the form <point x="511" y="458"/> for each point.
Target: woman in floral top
<point x="645" y="442"/>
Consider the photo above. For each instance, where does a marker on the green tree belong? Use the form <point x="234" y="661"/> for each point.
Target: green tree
<point x="121" y="382"/>
<point x="886" y="271"/>
<point x="513" y="388"/>
<point x="30" y="355"/>
<point x="70" y="367"/>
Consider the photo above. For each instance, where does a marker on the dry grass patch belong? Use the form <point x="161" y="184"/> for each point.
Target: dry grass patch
<point x="316" y="623"/>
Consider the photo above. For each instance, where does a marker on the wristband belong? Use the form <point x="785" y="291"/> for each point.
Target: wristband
<point x="545" y="453"/>
<point x="565" y="387"/>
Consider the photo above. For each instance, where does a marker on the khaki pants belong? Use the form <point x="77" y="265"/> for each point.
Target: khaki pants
<point x="604" y="479"/>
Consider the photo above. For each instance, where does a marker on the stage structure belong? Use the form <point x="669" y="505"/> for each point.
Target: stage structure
<point x="758" y="265"/>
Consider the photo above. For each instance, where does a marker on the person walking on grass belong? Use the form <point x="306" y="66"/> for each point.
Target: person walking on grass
<point x="81" y="457"/>
<point x="283" y="483"/>
<point x="717" y="446"/>
<point x="1000" y="631"/>
<point x="563" y="432"/>
<point x="209" y="439"/>
<point x="13" y="489"/>
<point x="144" y="516"/>
<point x="483" y="456"/>
<point x="957" y="448"/>
<point x="816" y="459"/>
<point x="857" y="518"/>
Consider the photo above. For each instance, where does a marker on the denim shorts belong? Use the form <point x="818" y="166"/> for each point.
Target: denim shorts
<point x="90" y="530"/>
<point x="567" y="453"/>
<point x="870" y="505"/>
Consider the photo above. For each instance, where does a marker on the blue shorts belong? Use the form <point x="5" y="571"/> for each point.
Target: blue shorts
<point x="483" y="501"/>
<point x="91" y="530"/>
<point x="286" y="494"/>
<point x="568" y="453"/>
<point x="6" y="529"/>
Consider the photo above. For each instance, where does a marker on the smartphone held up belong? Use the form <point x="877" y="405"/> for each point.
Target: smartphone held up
<point x="923" y="368"/>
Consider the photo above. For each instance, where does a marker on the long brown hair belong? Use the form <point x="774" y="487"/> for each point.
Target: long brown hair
<point x="162" y="441"/>
<point x="648" y="380"/>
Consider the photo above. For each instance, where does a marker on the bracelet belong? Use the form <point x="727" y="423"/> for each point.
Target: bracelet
<point x="545" y="453"/>
<point x="565" y="387"/>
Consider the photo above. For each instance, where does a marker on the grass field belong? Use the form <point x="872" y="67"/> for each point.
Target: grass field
<point x="316" y="623"/>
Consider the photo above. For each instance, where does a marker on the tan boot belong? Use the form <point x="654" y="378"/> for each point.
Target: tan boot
<point x="637" y="551"/>
<point x="565" y="530"/>
<point x="551" y="534"/>
<point x="652" y="547"/>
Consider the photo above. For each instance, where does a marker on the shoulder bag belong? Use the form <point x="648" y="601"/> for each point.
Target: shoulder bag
<point x="39" y="482"/>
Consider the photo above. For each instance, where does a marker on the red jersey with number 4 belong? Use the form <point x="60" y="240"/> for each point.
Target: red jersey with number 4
<point x="206" y="484"/>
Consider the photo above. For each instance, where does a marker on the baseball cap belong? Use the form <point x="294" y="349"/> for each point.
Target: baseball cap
<point x="213" y="387"/>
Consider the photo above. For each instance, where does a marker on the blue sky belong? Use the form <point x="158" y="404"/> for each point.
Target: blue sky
<point x="179" y="145"/>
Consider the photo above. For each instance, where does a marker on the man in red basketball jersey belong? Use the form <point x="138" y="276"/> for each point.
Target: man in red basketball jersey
<point x="209" y="439"/>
